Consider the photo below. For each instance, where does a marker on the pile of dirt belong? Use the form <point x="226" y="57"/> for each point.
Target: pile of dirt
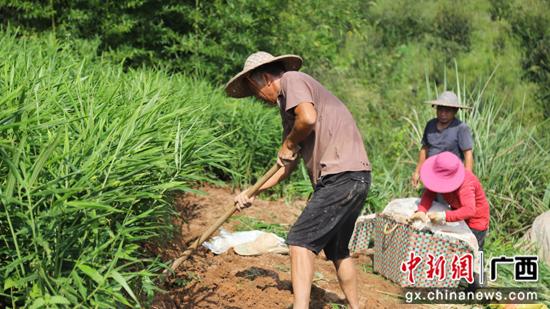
<point x="232" y="281"/>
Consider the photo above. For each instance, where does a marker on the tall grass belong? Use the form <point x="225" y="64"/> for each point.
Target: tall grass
<point x="87" y="155"/>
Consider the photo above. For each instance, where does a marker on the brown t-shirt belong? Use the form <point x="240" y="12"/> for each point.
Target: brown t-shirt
<point x="335" y="145"/>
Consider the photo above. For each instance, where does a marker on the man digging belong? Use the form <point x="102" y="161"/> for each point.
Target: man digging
<point x="318" y="127"/>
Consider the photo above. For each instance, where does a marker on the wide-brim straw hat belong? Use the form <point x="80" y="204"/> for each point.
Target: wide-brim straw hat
<point x="447" y="98"/>
<point x="442" y="173"/>
<point x="237" y="87"/>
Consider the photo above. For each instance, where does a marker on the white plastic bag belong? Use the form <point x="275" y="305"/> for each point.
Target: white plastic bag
<point x="538" y="236"/>
<point x="246" y="243"/>
<point x="401" y="209"/>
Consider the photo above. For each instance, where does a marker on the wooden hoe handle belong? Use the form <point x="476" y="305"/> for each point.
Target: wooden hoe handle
<point x="214" y="227"/>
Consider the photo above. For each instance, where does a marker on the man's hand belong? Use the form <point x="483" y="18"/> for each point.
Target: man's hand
<point x="419" y="215"/>
<point x="242" y="200"/>
<point x="287" y="153"/>
<point x="414" y="179"/>
<point x="437" y="217"/>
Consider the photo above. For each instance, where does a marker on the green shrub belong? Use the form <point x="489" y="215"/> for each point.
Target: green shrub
<point x="500" y="9"/>
<point x="397" y="22"/>
<point x="255" y="137"/>
<point x="531" y="25"/>
<point x="210" y="38"/>
<point x="454" y="27"/>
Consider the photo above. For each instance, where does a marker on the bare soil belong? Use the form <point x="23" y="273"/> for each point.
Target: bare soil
<point x="232" y="281"/>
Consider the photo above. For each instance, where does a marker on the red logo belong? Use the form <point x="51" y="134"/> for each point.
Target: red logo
<point x="410" y="265"/>
<point x="436" y="268"/>
<point x="463" y="267"/>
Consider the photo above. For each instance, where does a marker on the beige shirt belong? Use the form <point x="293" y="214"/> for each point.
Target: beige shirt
<point x="335" y="145"/>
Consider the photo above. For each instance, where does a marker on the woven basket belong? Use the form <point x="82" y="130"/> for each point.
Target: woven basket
<point x="362" y="235"/>
<point x="393" y="243"/>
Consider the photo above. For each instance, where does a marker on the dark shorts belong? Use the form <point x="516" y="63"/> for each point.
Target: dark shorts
<point x="480" y="236"/>
<point x="329" y="218"/>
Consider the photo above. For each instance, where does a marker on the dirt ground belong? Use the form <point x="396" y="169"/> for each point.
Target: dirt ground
<point x="232" y="281"/>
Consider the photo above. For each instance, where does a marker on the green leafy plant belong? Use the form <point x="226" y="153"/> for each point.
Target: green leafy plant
<point x="249" y="223"/>
<point x="87" y="155"/>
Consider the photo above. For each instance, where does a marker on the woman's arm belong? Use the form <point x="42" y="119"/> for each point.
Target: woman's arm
<point x="466" y="196"/>
<point x="469" y="160"/>
<point x="421" y="158"/>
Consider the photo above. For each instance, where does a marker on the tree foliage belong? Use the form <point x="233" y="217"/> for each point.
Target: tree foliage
<point x="211" y="38"/>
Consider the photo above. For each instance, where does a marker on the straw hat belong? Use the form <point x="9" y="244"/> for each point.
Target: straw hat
<point x="237" y="86"/>
<point x="442" y="173"/>
<point x="447" y="98"/>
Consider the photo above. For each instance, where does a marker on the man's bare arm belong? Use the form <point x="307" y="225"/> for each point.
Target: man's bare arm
<point x="242" y="200"/>
<point x="304" y="123"/>
<point x="281" y="175"/>
<point x="306" y="117"/>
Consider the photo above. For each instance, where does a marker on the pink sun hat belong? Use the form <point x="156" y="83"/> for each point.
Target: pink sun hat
<point x="442" y="173"/>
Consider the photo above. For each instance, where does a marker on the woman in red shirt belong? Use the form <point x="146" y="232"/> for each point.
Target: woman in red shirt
<point x="445" y="174"/>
